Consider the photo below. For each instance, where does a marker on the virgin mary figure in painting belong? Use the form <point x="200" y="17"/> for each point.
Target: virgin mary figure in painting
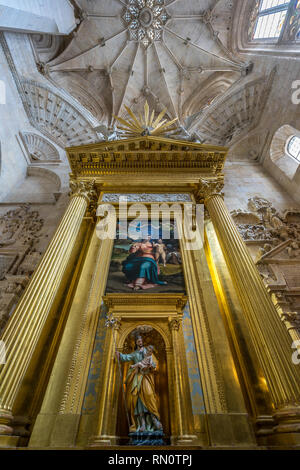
<point x="141" y="267"/>
<point x="141" y="398"/>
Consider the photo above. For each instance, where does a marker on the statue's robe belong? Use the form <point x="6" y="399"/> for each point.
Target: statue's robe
<point x="140" y="389"/>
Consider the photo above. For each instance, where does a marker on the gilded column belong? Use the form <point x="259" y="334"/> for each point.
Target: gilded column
<point x="108" y="401"/>
<point x="185" y="427"/>
<point x="26" y="325"/>
<point x="270" y="338"/>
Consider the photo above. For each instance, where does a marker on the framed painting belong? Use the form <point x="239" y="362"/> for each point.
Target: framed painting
<point x="145" y="261"/>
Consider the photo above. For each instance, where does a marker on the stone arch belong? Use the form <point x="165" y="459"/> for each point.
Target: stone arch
<point x="213" y="87"/>
<point x="87" y="95"/>
<point x="126" y="332"/>
<point x="278" y="150"/>
<point x="63" y="119"/>
<point x="234" y="114"/>
<point x="45" y="173"/>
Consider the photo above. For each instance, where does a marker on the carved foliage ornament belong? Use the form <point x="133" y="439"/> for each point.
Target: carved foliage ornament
<point x="86" y="189"/>
<point x="207" y="188"/>
<point x="20" y="225"/>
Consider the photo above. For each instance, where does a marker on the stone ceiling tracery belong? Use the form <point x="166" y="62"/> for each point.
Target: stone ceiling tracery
<point x="165" y="51"/>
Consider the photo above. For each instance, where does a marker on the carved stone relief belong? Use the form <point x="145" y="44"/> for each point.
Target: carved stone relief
<point x="39" y="149"/>
<point x="109" y="197"/>
<point x="19" y="236"/>
<point x="273" y="239"/>
<point x="234" y="114"/>
<point x="60" y="120"/>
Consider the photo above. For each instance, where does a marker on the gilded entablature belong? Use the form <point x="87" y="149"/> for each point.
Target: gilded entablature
<point x="146" y="154"/>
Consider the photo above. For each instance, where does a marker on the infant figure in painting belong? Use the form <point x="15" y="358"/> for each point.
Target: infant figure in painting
<point x="160" y="252"/>
<point x="146" y="363"/>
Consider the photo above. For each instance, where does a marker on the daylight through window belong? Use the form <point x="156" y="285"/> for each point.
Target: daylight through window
<point x="293" y="148"/>
<point x="270" y="19"/>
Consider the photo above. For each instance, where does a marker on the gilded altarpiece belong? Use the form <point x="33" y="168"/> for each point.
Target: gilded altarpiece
<point x="219" y="379"/>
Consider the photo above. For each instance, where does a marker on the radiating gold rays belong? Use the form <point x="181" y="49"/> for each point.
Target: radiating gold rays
<point x="145" y="125"/>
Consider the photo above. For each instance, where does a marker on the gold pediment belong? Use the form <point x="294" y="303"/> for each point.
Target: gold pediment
<point x="146" y="154"/>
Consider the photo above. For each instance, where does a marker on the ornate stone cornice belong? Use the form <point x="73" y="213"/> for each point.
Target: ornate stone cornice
<point x="208" y="188"/>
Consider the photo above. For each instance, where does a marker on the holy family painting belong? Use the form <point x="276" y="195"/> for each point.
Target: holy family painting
<point x="146" y="263"/>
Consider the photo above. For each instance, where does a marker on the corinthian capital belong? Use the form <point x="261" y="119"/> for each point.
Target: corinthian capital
<point x="86" y="189"/>
<point x="174" y="324"/>
<point x="293" y="318"/>
<point x="207" y="188"/>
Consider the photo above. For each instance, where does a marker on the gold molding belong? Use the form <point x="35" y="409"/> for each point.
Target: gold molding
<point x="146" y="154"/>
<point x="133" y="302"/>
<point x="157" y="311"/>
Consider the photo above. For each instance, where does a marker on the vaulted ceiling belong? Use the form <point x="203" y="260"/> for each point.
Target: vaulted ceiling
<point x="173" y="53"/>
<point x="176" y="54"/>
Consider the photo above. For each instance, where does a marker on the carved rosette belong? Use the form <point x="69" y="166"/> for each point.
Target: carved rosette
<point x="208" y="188"/>
<point x="87" y="190"/>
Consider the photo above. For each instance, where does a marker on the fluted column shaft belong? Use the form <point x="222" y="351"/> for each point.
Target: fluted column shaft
<point x="270" y="339"/>
<point x="185" y="428"/>
<point x="109" y="394"/>
<point x="174" y="327"/>
<point x="26" y="325"/>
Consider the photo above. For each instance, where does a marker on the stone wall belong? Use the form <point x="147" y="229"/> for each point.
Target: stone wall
<point x="25" y="232"/>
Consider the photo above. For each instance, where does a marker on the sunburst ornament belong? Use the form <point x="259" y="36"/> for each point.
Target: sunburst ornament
<point x="145" y="125"/>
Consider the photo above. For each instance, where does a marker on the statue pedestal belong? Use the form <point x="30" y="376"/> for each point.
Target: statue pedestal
<point x="147" y="438"/>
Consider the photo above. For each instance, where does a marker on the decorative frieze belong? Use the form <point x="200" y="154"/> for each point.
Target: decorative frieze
<point x="164" y="197"/>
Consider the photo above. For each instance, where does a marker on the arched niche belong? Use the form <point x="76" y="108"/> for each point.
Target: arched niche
<point x="163" y="313"/>
<point x="151" y="336"/>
